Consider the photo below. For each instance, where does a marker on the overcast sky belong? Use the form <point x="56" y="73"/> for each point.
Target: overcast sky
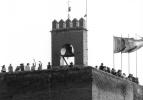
<point x="25" y="27"/>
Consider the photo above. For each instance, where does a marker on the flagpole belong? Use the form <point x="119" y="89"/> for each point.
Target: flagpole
<point x="69" y="9"/>
<point x="121" y="52"/>
<point x="136" y="63"/>
<point x="86" y="14"/>
<point x="113" y="54"/>
<point x="121" y="60"/>
<point x="136" y="59"/>
<point x="128" y="60"/>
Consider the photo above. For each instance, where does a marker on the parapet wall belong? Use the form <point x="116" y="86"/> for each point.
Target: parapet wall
<point x="106" y="86"/>
<point x="55" y="84"/>
<point x="68" y="24"/>
<point x="79" y="83"/>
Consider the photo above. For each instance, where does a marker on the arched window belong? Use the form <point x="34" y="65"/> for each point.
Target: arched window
<point x="67" y="55"/>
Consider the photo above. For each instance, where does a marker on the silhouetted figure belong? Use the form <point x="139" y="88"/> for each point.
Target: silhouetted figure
<point x="3" y="69"/>
<point x="101" y="67"/>
<point x="21" y="67"/>
<point x="130" y="77"/>
<point x="17" y="69"/>
<point x="27" y="67"/>
<point x="108" y="70"/>
<point x="71" y="65"/>
<point x="133" y="79"/>
<point x="124" y="75"/>
<point x="113" y="71"/>
<point x="137" y="80"/>
<point x="96" y="67"/>
<point x="40" y="65"/>
<point x="33" y="67"/>
<point x="10" y="68"/>
<point x="49" y="66"/>
<point x="119" y="73"/>
<point x="104" y="68"/>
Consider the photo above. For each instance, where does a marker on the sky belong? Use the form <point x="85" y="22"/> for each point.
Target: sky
<point x="25" y="27"/>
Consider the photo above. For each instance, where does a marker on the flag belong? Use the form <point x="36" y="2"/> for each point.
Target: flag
<point x="119" y="44"/>
<point x="85" y="15"/>
<point x="132" y="45"/>
<point x="137" y="44"/>
<point x="129" y="44"/>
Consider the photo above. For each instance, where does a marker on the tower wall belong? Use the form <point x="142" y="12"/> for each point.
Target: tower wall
<point x="70" y="32"/>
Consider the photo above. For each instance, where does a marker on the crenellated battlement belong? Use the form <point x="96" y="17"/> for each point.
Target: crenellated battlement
<point x="69" y="24"/>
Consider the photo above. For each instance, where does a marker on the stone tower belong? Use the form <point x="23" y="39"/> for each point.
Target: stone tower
<point x="69" y="33"/>
<point x="68" y="83"/>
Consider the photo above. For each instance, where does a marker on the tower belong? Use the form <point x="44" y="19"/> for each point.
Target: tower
<point x="69" y="34"/>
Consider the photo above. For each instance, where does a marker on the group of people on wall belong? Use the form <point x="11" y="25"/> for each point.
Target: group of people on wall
<point x="23" y="67"/>
<point x="27" y="67"/>
<point x="118" y="73"/>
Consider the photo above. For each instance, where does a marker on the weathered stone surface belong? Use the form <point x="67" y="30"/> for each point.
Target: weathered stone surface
<point x="80" y="83"/>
